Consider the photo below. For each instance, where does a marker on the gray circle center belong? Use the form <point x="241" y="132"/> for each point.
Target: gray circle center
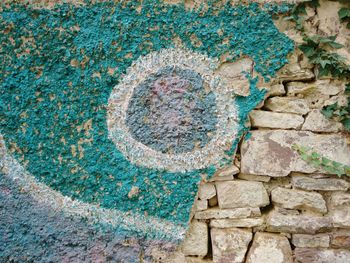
<point x="173" y="111"/>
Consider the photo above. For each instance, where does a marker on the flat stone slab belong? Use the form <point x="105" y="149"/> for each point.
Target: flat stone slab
<point x="253" y="177"/>
<point x="216" y="213"/>
<point x="269" y="248"/>
<point x="270" y="152"/>
<point x="319" y="184"/>
<point x="206" y="191"/>
<point x="239" y="193"/>
<point x="242" y="222"/>
<point x="201" y="205"/>
<point x="287" y="104"/>
<point x="275" y="120"/>
<point x="298" y="199"/>
<point x="319" y="240"/>
<point x="230" y="245"/>
<point x="196" y="241"/>
<point x="339" y="206"/>
<point x="340" y="239"/>
<point x="315" y="121"/>
<point x="291" y="223"/>
<point x="317" y="255"/>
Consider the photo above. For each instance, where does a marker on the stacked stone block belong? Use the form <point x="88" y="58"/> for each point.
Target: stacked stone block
<point x="270" y="205"/>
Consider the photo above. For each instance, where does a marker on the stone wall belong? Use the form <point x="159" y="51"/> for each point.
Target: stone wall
<point x="270" y="205"/>
<point x="73" y="191"/>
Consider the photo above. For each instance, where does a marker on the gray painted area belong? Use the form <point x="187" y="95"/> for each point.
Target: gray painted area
<point x="34" y="232"/>
<point x="172" y="111"/>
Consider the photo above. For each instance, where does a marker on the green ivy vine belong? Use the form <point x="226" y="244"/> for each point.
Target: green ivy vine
<point x="339" y="113"/>
<point x="344" y="15"/>
<point x="320" y="52"/>
<point x="319" y="161"/>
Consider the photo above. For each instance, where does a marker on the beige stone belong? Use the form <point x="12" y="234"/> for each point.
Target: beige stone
<point x="322" y="184"/>
<point x="270" y="152"/>
<point x="287" y="104"/>
<point x="231" y="170"/>
<point x="269" y="248"/>
<point x="328" y="19"/>
<point x="317" y="255"/>
<point x="196" y="241"/>
<point x="213" y="201"/>
<point x="253" y="177"/>
<point x="340" y="239"/>
<point x="201" y="205"/>
<point x="239" y="193"/>
<point x="315" y="121"/>
<point x="277" y="182"/>
<point x="206" y="191"/>
<point x="288" y="28"/>
<point x="315" y="93"/>
<point x="232" y="72"/>
<point x="318" y="87"/>
<point x="340" y="199"/>
<point x="195" y="260"/>
<point x="225" y="174"/>
<point x="243" y="222"/>
<point x="304" y="224"/>
<point x="221" y="178"/>
<point x="293" y="72"/>
<point x="319" y="240"/>
<point x="230" y="245"/>
<point x="216" y="213"/>
<point x="341" y="100"/>
<point x="339" y="206"/>
<point x="276" y="120"/>
<point x="275" y="90"/>
<point x="298" y="199"/>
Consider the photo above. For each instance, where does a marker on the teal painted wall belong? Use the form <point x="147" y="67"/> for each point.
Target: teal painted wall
<point x="59" y="66"/>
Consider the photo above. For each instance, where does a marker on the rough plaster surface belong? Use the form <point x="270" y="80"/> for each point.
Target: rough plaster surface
<point x="82" y="199"/>
<point x="60" y="67"/>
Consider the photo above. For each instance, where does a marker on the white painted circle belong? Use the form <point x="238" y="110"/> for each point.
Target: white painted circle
<point x="136" y="152"/>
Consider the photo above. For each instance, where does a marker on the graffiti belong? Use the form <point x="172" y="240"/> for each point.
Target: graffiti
<point x="200" y="138"/>
<point x="170" y="111"/>
<point x="119" y="107"/>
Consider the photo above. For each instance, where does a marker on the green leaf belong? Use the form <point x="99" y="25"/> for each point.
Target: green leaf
<point x="347" y="88"/>
<point x="335" y="45"/>
<point x="336" y="164"/>
<point x="344" y="13"/>
<point x="315" y="39"/>
<point x="328" y="113"/>
<point x="304" y="156"/>
<point x="308" y="51"/>
<point x="343" y="112"/>
<point x="325" y="161"/>
<point x="326" y="39"/>
<point x="314" y="3"/>
<point x="324" y="63"/>
<point x="316" y="162"/>
<point x="315" y="155"/>
<point x="301" y="9"/>
<point x="323" y="72"/>
<point x="346" y="123"/>
<point x="331" y="169"/>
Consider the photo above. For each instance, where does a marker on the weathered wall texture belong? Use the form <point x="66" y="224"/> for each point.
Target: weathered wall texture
<point x="272" y="206"/>
<point x="159" y="133"/>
